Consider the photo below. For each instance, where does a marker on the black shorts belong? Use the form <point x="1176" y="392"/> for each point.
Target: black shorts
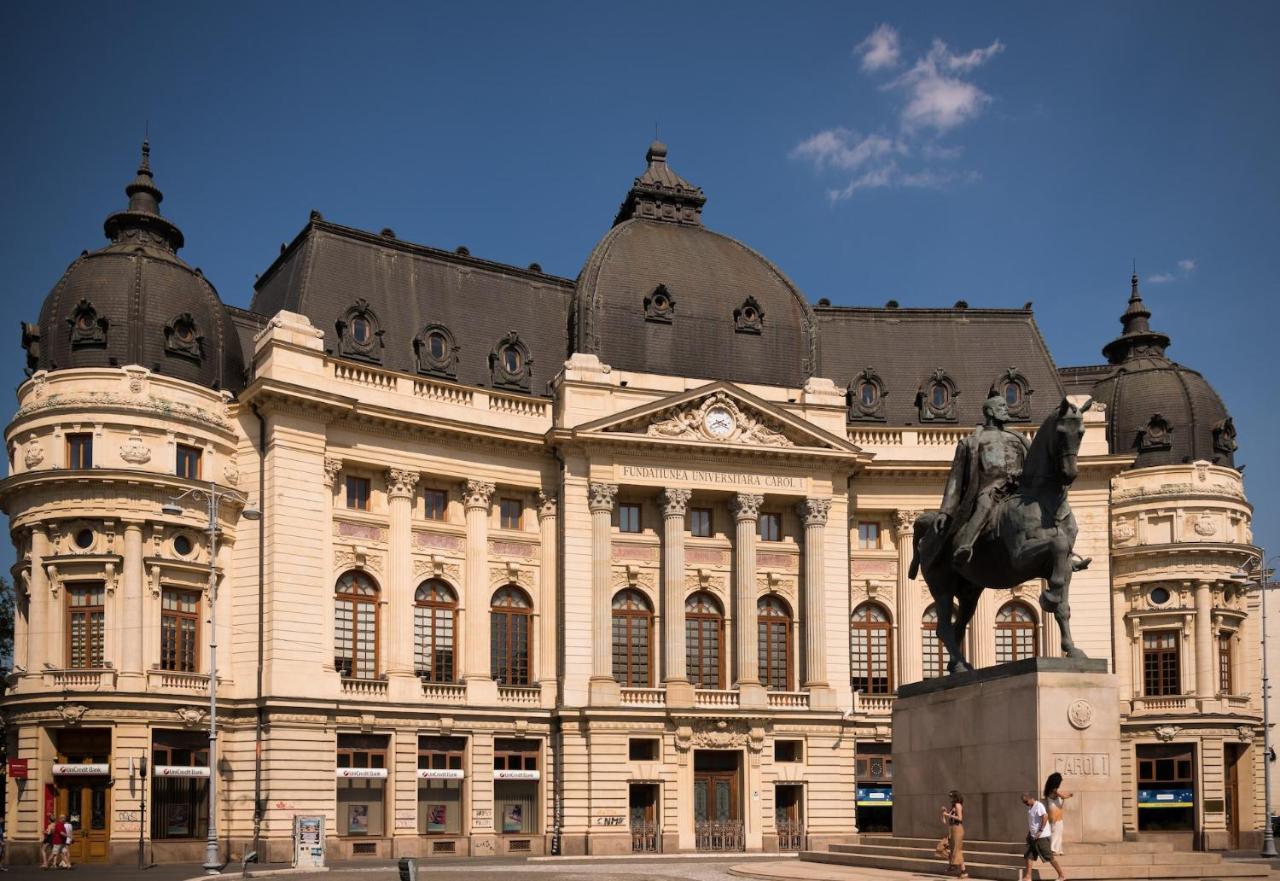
<point x="1038" y="848"/>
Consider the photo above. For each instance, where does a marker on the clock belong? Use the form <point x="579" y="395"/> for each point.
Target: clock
<point x="719" y="422"/>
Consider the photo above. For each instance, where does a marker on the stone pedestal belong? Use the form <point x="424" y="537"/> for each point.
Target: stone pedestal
<point x="1000" y="731"/>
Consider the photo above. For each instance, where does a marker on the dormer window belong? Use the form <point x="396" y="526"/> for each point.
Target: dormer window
<point x="360" y="333"/>
<point x="660" y="306"/>
<point x="1224" y="437"/>
<point x="1158" y="435"/>
<point x="1013" y="387"/>
<point x="436" y="351"/>
<point x="749" y="317"/>
<point x="510" y="364"/>
<point x="182" y="338"/>
<point x="866" y="396"/>
<point x="87" y="328"/>
<point x="936" y="398"/>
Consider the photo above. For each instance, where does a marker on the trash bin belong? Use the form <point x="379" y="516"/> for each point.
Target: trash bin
<point x="408" y="869"/>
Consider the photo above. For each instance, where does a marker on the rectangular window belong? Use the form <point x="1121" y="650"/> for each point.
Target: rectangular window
<point x="770" y="527"/>
<point x="1160" y="663"/>
<point x="700" y="522"/>
<point x="788" y="750"/>
<point x="80" y="450"/>
<point x="440" y="778"/>
<point x="179" y="624"/>
<point x="358" y="493"/>
<point x="642" y="749"/>
<point x="628" y="517"/>
<point x="179" y="784"/>
<point x="85" y="616"/>
<point x="437" y="503"/>
<point x="510" y="511"/>
<point x="1224" y="663"/>
<point x="362" y="800"/>
<point x="515" y="786"/>
<point x="868" y="536"/>
<point x="188" y="464"/>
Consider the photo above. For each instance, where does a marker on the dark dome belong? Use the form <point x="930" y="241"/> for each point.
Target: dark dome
<point x="661" y="293"/>
<point x="136" y="302"/>
<point x="1164" y="412"/>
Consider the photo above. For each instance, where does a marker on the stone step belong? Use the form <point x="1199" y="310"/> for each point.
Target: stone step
<point x="1077" y="857"/>
<point x="1009" y="847"/>
<point x="1004" y="872"/>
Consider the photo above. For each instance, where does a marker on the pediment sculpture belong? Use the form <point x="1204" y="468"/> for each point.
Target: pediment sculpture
<point x="718" y="418"/>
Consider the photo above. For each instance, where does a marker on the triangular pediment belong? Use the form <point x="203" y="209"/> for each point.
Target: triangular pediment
<point x="722" y="414"/>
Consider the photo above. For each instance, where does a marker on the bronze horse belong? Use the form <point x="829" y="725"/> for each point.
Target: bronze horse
<point x="1027" y="541"/>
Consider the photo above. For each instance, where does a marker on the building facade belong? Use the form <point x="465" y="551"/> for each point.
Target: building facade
<point x="586" y="565"/>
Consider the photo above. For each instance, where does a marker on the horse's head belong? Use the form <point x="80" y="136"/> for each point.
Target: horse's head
<point x="1067" y="425"/>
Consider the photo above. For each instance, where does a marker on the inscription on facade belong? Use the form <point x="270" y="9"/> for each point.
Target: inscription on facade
<point x="699" y="475"/>
<point x="1082" y="764"/>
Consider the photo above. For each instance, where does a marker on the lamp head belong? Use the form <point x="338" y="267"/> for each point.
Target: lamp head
<point x="171" y="509"/>
<point x="251" y="513"/>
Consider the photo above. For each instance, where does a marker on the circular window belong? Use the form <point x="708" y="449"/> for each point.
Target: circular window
<point x="939" y="397"/>
<point x="1156" y="431"/>
<point x="749" y="314"/>
<point x="84" y="320"/>
<point x="661" y="303"/>
<point x="84" y="539"/>
<point x="182" y="546"/>
<point x="868" y="394"/>
<point x="1159" y="596"/>
<point x="184" y="331"/>
<point x="437" y="345"/>
<point x="360" y="330"/>
<point x="1012" y="394"/>
<point x="511" y="359"/>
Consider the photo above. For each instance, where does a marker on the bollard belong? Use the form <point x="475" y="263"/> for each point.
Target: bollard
<point x="408" y="869"/>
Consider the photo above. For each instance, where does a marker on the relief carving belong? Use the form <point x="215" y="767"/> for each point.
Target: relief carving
<point x="35" y="453"/>
<point x="1167" y="732"/>
<point x="600" y="496"/>
<point x="1204" y="525"/>
<point x="814" y="512"/>
<point x="133" y="450"/>
<point x="331" y="469"/>
<point x="1080" y="714"/>
<point x="72" y="713"/>
<point x="1123" y="530"/>
<point x="689" y="422"/>
<point x="191" y="717"/>
<point x="746" y="506"/>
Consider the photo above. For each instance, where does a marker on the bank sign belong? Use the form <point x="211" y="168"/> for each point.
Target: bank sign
<point x="181" y="771"/>
<point x="1166" y="798"/>
<point x="875" y="797"/>
<point x="65" y="770"/>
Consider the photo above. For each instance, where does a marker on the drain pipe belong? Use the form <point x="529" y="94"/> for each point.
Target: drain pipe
<point x="261" y="714"/>
<point x="557" y="722"/>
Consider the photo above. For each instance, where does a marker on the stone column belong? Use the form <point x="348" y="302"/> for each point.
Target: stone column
<point x="131" y="601"/>
<point x="1124" y="645"/>
<point x="39" y="611"/>
<point x="1206" y="687"/>
<point x="982" y="631"/>
<point x="481" y="689"/>
<point x="813" y="514"/>
<point x="548" y="600"/>
<point x="401" y="485"/>
<point x="910" y="646"/>
<point x="604" y="688"/>
<point x="675" y="503"/>
<point x="745" y="508"/>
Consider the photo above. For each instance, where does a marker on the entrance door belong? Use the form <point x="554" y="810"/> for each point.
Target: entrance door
<point x="717" y="810"/>
<point x="87" y="804"/>
<point x="1231" y="758"/>
<point x="643" y="812"/>
<point x="788" y="816"/>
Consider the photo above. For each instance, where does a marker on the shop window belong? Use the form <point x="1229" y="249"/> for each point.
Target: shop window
<point x="436" y="504"/>
<point x="440" y="785"/>
<point x="773" y="619"/>
<point x="704" y="640"/>
<point x="358" y="493"/>
<point x="874" y="780"/>
<point x="179" y="784"/>
<point x="1224" y="663"/>
<point x="629" y="517"/>
<point x="871" y="649"/>
<point x="179" y="629"/>
<point x="435" y="614"/>
<point x="936" y="656"/>
<point x="362" y="784"/>
<point x="643" y="749"/>
<point x="510" y="648"/>
<point x="510" y="513"/>
<point x="85" y="620"/>
<point x="1016" y="636"/>
<point x="188" y="464"/>
<point x="355" y="647"/>
<point x="1166" y="787"/>
<point x="80" y="450"/>
<point x="632" y="639"/>
<point x="515" y="786"/>
<point x="1161" y="663"/>
<point x="770" y="526"/>
<point x="788" y="750"/>
<point x="868" y="535"/>
<point x="700" y="522"/>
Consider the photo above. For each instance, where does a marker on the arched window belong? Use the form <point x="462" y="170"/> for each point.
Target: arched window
<point x="774" y="620"/>
<point x="703" y="640"/>
<point x="632" y="640"/>
<point x="1015" y="633"/>
<point x="871" y="649"/>
<point x="510" y="649"/>
<point x="936" y="656"/>
<point x="435" y="610"/>
<point x="355" y="642"/>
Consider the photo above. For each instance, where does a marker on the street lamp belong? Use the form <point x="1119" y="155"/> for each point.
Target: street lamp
<point x="213" y="497"/>
<point x="1260" y="565"/>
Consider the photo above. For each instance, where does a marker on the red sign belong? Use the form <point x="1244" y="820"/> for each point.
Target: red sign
<point x="18" y="769"/>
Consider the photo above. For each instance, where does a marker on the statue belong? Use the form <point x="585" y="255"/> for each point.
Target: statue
<point x="1004" y="520"/>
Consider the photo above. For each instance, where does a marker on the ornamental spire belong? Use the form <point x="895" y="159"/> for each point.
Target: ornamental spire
<point x="1137" y="338"/>
<point x="141" y="221"/>
<point x="661" y="194"/>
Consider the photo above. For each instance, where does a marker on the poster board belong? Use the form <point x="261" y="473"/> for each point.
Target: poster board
<point x="308" y="841"/>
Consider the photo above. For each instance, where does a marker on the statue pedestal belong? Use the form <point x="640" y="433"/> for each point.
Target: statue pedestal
<point x="1000" y="731"/>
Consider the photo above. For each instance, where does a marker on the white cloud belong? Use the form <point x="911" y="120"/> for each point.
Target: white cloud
<point x="1188" y="265"/>
<point x="890" y="175"/>
<point x="935" y="151"/>
<point x="843" y="149"/>
<point x="880" y="50"/>
<point x="938" y="100"/>
<point x="1161" y="278"/>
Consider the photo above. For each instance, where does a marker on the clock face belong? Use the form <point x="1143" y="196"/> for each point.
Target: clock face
<point x="719" y="422"/>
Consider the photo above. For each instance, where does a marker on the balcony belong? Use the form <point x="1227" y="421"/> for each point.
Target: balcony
<point x="644" y="697"/>
<point x="1176" y="703"/>
<point x="172" y="680"/>
<point x="708" y="698"/>
<point x="520" y="695"/>
<point x="444" y="692"/>
<point x="788" y="700"/>
<point x="364" y="689"/>
<point x="872" y="704"/>
<point x="80" y="679"/>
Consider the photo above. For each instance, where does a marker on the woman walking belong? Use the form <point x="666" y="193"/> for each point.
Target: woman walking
<point x="1054" y="801"/>
<point x="953" y="816"/>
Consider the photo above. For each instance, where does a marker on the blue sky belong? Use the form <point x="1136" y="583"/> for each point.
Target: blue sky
<point x="924" y="152"/>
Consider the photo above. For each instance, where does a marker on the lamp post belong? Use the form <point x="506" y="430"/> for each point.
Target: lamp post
<point x="213" y="497"/>
<point x="1268" y="837"/>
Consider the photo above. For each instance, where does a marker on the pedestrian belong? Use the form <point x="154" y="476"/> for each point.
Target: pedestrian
<point x="60" y="840"/>
<point x="953" y="816"/>
<point x="1054" y="802"/>
<point x="1038" y="834"/>
<point x="46" y="843"/>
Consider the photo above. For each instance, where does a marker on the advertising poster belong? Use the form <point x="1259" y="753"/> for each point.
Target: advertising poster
<point x="512" y="818"/>
<point x="358" y="820"/>
<point x="177" y="819"/>
<point x="437" y="816"/>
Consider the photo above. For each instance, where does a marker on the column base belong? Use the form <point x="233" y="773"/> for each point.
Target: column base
<point x="821" y="697"/>
<point x="605" y="692"/>
<point x="752" y="696"/>
<point x="481" y="691"/>
<point x="680" y="693"/>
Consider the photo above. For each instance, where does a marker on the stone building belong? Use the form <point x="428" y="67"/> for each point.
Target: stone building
<point x="584" y="565"/>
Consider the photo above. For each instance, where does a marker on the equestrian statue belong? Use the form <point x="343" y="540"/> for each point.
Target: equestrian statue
<point x="1004" y="520"/>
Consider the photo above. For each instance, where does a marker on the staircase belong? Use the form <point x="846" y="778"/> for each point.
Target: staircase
<point x="1150" y="861"/>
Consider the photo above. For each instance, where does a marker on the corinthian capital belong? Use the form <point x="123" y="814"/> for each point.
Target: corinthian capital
<point x="477" y="493"/>
<point x="813" y="512"/>
<point x="904" y="521"/>
<point x="401" y="483"/>
<point x="675" y="502"/>
<point x="600" y="496"/>
<point x="746" y="506"/>
<point x="546" y="505"/>
<point x="331" y="469"/>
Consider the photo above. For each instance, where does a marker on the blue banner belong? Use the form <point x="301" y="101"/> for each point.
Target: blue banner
<point x="1166" y="798"/>
<point x="875" y="796"/>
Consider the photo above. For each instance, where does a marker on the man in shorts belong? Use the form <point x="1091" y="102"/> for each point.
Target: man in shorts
<point x="1038" y="837"/>
<point x="60" y="856"/>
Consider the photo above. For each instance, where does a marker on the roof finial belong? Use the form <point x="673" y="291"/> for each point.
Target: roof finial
<point x="144" y="167"/>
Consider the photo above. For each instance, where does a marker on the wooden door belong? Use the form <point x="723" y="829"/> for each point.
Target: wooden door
<point x="1231" y="758"/>
<point x="87" y="805"/>
<point x="715" y="796"/>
